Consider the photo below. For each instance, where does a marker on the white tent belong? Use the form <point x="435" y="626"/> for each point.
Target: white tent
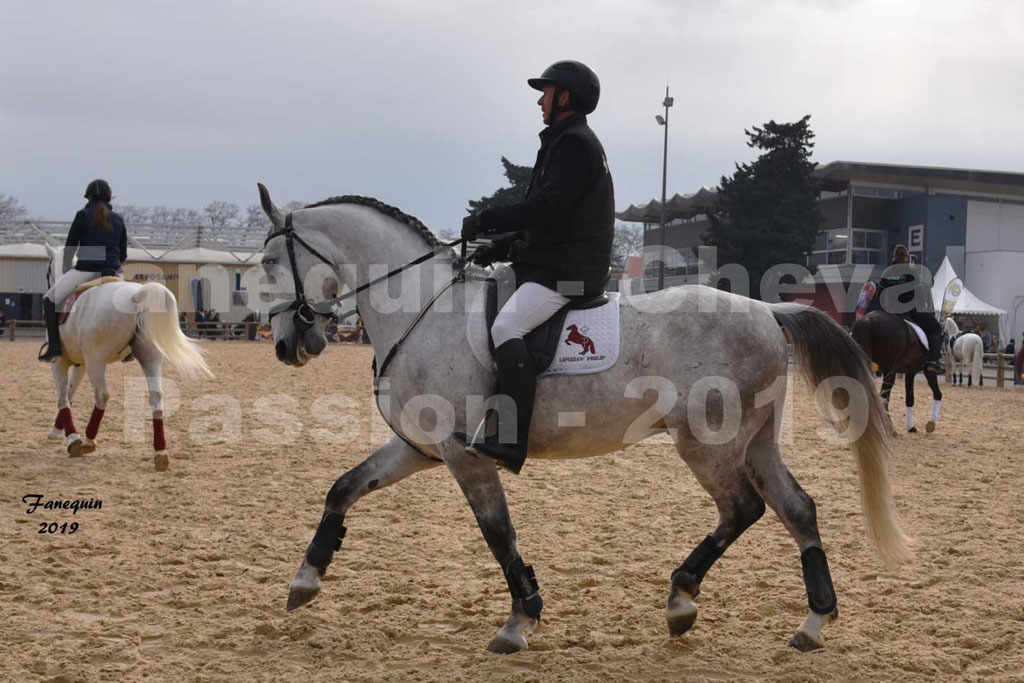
<point x="967" y="304"/>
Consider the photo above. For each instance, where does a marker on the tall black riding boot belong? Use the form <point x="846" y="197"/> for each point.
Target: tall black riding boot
<point x="934" y="365"/>
<point x="516" y="379"/>
<point x="53" y="346"/>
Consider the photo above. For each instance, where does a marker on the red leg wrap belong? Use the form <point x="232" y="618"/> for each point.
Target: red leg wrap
<point x="159" y="443"/>
<point x="58" y="423"/>
<point x="64" y="418"/>
<point x="94" y="423"/>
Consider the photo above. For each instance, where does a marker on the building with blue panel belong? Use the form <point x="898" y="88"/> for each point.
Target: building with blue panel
<point x="973" y="217"/>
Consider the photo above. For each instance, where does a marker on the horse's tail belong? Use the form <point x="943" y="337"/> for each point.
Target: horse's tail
<point x="824" y="351"/>
<point x="158" y="322"/>
<point x="977" y="356"/>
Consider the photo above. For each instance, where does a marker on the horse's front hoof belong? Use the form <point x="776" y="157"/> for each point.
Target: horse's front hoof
<point x="930" y="427"/>
<point x="681" y="618"/>
<point x="507" y="644"/>
<point x="304" y="587"/>
<point x="88" y="445"/>
<point x="75" y="446"/>
<point x="161" y="462"/>
<point x="912" y="430"/>
<point x="806" y="643"/>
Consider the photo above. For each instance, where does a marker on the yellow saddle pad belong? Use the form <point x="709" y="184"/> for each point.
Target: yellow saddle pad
<point x="98" y="281"/>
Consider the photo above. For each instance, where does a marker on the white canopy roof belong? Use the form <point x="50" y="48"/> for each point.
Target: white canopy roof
<point x="968" y="303"/>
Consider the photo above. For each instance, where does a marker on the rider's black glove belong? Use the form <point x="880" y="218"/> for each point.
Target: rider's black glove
<point x="471" y="227"/>
<point x="496" y="250"/>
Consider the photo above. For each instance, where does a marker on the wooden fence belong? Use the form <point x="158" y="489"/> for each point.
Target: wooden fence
<point x="216" y="331"/>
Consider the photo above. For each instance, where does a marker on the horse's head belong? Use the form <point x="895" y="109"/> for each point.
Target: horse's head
<point x="293" y="257"/>
<point x="950" y="327"/>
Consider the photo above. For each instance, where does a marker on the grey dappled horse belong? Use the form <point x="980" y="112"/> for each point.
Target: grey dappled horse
<point x="723" y="353"/>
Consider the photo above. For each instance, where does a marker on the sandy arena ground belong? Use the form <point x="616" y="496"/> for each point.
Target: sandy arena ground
<point x="183" y="575"/>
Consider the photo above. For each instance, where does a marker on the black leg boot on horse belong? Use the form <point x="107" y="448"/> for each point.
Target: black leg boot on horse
<point x="53" y="348"/>
<point x="516" y="379"/>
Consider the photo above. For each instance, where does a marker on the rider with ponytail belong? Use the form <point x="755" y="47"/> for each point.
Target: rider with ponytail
<point x="99" y="237"/>
<point x="912" y="304"/>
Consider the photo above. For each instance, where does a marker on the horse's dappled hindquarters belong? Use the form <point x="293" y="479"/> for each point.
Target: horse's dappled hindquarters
<point x="705" y="366"/>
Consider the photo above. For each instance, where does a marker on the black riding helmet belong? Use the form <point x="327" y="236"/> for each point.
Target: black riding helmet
<point x="575" y="77"/>
<point x="98" y="189"/>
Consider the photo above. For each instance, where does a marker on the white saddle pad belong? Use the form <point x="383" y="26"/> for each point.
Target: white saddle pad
<point x="920" y="333"/>
<point x="589" y="341"/>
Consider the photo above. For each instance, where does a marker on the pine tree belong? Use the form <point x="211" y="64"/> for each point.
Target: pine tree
<point x="767" y="213"/>
<point x="519" y="179"/>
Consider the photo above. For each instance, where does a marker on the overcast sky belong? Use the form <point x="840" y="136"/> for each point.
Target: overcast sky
<point x="414" y="102"/>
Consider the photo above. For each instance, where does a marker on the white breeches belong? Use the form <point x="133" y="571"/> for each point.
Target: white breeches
<point x="67" y="283"/>
<point x="526" y="309"/>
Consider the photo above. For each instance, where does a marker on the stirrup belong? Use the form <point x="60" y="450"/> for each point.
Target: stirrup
<point x="45" y="356"/>
<point x="935" y="367"/>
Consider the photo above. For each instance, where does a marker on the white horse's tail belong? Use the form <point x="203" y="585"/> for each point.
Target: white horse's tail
<point x="158" y="322"/>
<point x="977" y="356"/>
<point x="824" y="350"/>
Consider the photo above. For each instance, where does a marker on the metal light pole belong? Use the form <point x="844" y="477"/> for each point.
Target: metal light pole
<point x="664" y="180"/>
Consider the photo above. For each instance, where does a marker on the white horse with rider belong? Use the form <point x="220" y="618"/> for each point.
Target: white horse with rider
<point x="966" y="350"/>
<point x="707" y="367"/>
<point x="108" y="319"/>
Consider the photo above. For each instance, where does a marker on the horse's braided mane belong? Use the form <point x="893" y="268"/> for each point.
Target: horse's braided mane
<point x="386" y="209"/>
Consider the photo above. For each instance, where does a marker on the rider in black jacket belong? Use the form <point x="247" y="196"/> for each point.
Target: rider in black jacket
<point x="562" y="243"/>
<point x="99" y="238"/>
<point x="906" y="306"/>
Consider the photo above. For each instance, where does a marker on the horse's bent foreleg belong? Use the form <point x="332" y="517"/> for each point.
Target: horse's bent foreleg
<point x="739" y="506"/>
<point x="389" y="464"/>
<point x="796" y="509"/>
<point x="479" y="481"/>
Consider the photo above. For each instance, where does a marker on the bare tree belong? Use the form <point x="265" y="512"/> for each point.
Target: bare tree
<point x="186" y="217"/>
<point x="133" y="214"/>
<point x="628" y="241"/>
<point x="255" y="219"/>
<point x="160" y="215"/>
<point x="294" y="206"/>
<point x="221" y="213"/>
<point x="10" y="208"/>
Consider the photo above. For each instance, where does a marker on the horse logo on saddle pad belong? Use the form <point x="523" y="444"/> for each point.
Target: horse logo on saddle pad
<point x="581" y="338"/>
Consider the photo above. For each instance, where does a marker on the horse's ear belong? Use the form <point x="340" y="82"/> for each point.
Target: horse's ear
<point x="273" y="213"/>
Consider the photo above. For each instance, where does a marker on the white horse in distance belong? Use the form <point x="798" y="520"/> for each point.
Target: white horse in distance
<point x="107" y="321"/>
<point x="965" y="350"/>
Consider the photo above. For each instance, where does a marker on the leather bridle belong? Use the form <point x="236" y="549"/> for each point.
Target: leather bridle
<point x="303" y="318"/>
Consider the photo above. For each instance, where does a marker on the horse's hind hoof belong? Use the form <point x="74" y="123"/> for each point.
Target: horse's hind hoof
<point x="912" y="430"/>
<point x="806" y="643"/>
<point x="161" y="462"/>
<point x="930" y="427"/>
<point x="74" y="446"/>
<point x="681" y="616"/>
<point x="88" y="445"/>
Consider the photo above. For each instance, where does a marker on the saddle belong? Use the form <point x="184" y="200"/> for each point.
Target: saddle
<point x="921" y="336"/>
<point x="65" y="308"/>
<point x="543" y="342"/>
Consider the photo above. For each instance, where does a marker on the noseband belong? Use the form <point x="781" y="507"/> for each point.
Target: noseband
<point x="303" y="318"/>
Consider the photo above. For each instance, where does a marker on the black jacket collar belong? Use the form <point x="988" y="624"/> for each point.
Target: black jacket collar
<point x="554" y="129"/>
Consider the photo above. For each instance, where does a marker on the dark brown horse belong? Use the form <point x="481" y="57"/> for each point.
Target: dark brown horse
<point x="891" y="344"/>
